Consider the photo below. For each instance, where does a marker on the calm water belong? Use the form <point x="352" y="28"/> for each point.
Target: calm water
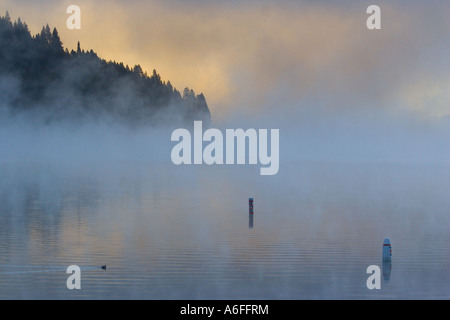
<point x="168" y="232"/>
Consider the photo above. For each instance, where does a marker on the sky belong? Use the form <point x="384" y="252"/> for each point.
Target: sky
<point x="286" y="59"/>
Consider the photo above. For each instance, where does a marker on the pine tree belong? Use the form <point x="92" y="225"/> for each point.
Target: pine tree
<point x="138" y="70"/>
<point x="156" y="78"/>
<point x="169" y="86"/>
<point x="42" y="36"/>
<point x="48" y="34"/>
<point x="55" y="41"/>
<point x="186" y="93"/>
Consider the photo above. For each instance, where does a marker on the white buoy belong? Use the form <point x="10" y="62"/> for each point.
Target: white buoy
<point x="250" y="205"/>
<point x="387" y="249"/>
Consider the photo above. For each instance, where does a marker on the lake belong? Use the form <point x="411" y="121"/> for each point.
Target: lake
<point x="184" y="232"/>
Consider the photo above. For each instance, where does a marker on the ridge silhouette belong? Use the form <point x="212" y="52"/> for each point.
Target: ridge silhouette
<point x="39" y="77"/>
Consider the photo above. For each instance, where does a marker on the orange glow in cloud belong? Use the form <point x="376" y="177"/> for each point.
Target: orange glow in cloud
<point x="238" y="54"/>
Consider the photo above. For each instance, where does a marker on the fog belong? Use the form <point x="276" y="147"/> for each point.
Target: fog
<point x="311" y="131"/>
<point x="103" y="193"/>
<point x="364" y="155"/>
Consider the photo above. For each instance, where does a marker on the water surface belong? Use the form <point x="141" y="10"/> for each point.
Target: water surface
<point x="168" y="232"/>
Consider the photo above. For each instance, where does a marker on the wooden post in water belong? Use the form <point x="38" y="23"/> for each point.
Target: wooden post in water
<point x="250" y="213"/>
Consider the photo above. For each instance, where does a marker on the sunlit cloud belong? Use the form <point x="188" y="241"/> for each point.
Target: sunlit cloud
<point x="251" y="55"/>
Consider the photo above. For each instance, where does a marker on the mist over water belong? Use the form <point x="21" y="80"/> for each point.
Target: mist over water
<point x="98" y="194"/>
<point x="364" y="155"/>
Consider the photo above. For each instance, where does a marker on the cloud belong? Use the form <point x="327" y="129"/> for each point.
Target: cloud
<point x="260" y="56"/>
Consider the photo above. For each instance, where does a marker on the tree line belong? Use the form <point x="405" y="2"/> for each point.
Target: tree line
<point x="43" y="78"/>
